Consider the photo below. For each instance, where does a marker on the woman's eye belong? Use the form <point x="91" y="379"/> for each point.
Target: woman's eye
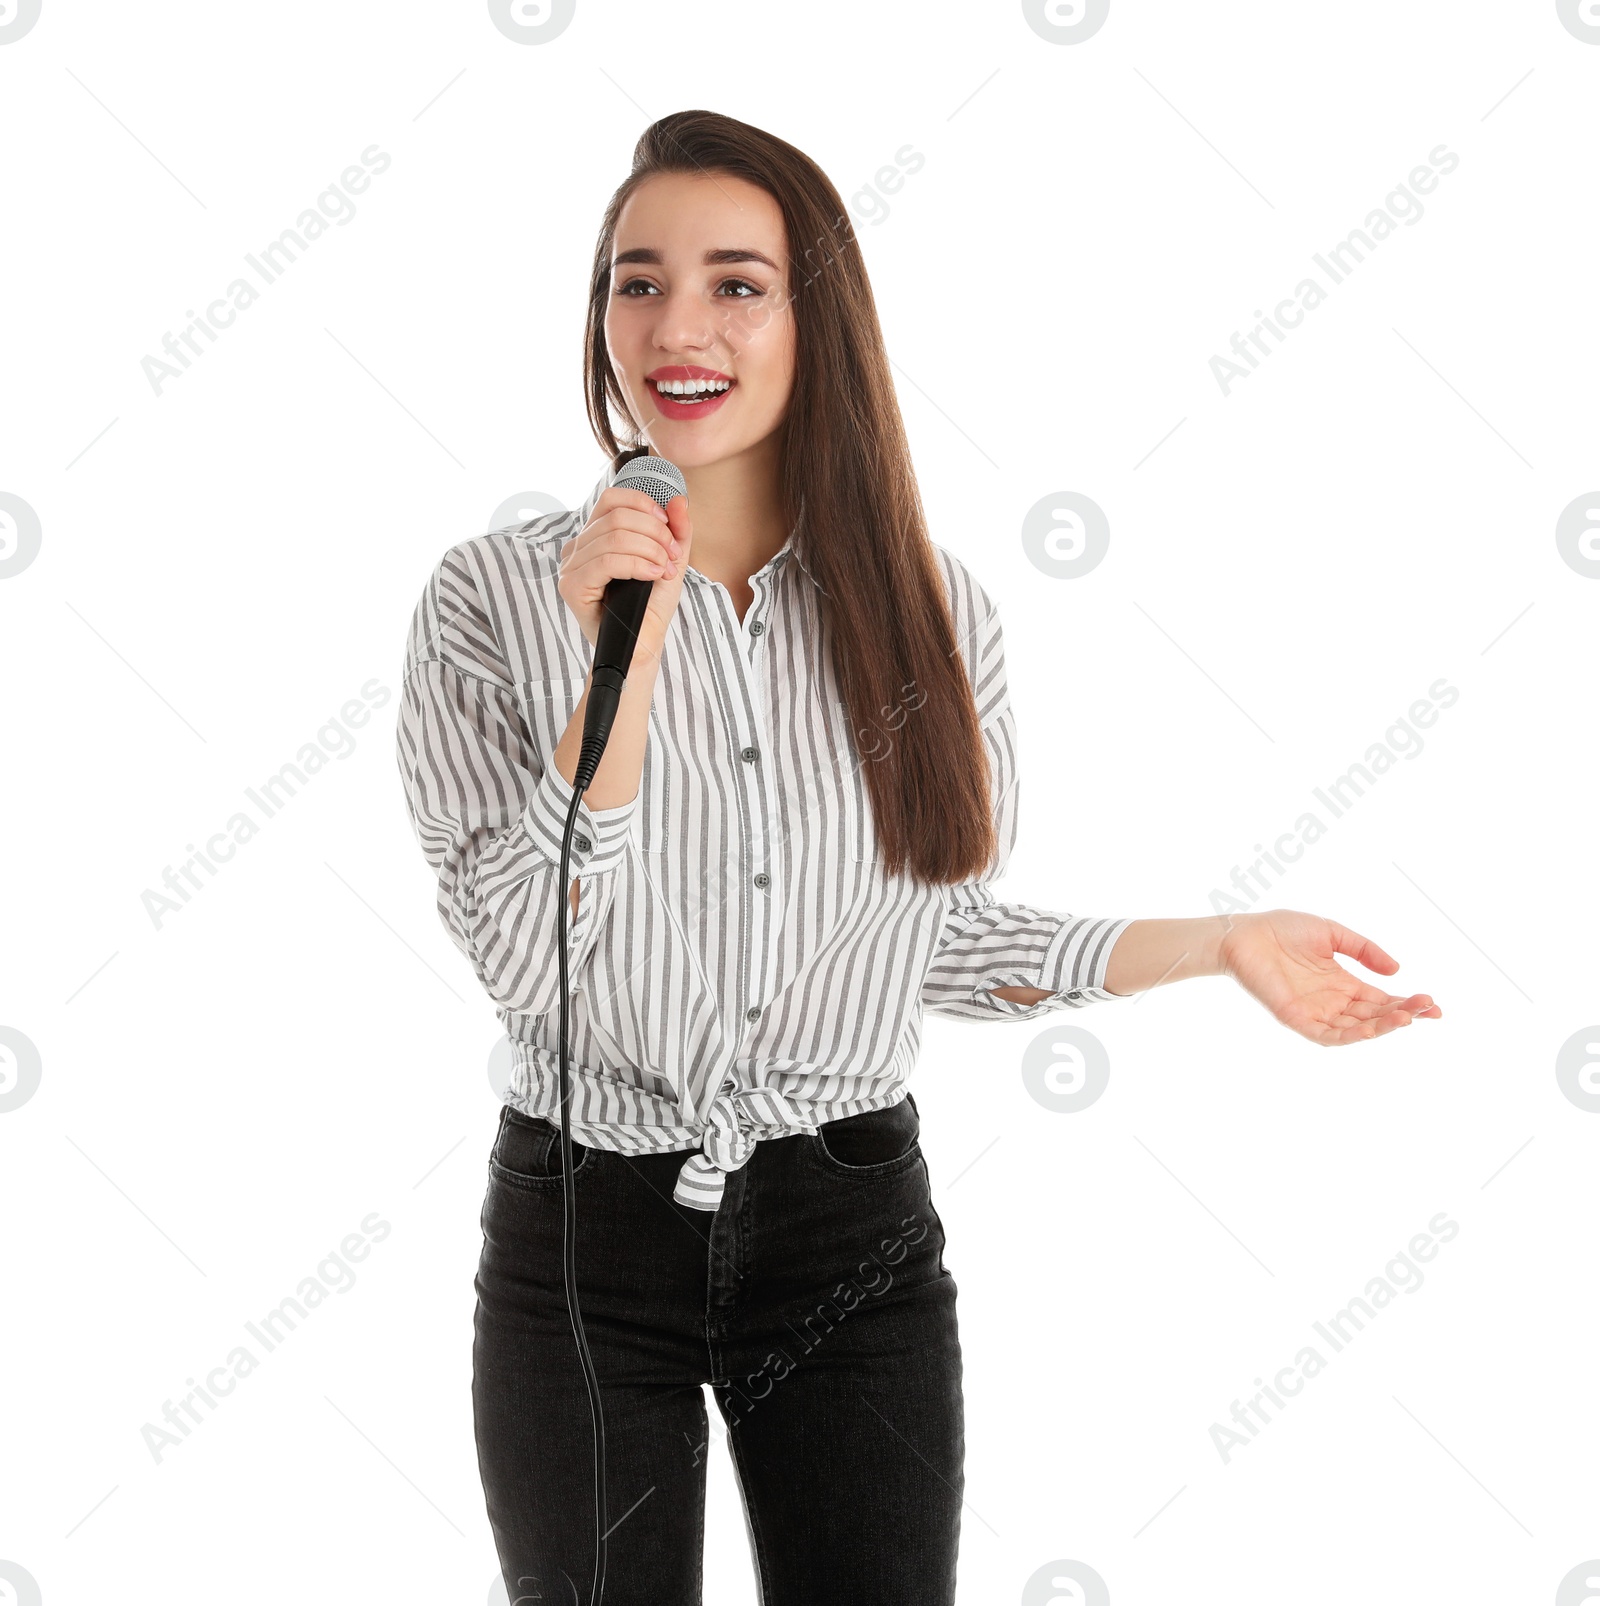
<point x="637" y="287"/>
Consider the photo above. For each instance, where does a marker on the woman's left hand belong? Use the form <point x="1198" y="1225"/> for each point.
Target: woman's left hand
<point x="1286" y="960"/>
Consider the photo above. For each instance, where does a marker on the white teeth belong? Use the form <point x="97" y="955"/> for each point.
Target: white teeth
<point x="691" y="387"/>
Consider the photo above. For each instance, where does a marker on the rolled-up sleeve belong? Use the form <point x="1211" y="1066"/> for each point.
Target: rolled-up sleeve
<point x="489" y="810"/>
<point x="986" y="944"/>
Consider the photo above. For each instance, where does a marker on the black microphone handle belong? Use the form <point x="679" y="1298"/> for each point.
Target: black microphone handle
<point x="622" y="610"/>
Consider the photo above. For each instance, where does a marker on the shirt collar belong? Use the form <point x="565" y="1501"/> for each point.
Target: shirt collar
<point x="776" y="561"/>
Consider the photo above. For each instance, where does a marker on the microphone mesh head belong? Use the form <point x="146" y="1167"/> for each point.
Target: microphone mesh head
<point x="655" y="476"/>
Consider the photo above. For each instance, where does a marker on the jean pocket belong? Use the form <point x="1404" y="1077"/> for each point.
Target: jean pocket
<point x="527" y="1151"/>
<point x="873" y="1144"/>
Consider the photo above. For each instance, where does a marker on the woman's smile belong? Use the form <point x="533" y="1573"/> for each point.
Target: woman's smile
<point x="684" y="391"/>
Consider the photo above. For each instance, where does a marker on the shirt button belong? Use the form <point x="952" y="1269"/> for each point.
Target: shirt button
<point x="757" y="626"/>
<point x="582" y="844"/>
<point x="749" y="755"/>
<point x="753" y="1012"/>
<point x="762" y="879"/>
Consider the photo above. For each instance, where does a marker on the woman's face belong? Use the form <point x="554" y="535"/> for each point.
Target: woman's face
<point x="698" y="293"/>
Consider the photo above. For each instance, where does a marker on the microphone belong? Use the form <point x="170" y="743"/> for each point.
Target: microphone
<point x="622" y="609"/>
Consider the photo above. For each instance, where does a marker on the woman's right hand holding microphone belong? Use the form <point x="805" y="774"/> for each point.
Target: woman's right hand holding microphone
<point x="631" y="537"/>
<point x="628" y="537"/>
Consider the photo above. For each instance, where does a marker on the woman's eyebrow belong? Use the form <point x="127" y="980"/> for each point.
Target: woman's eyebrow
<point x="740" y="253"/>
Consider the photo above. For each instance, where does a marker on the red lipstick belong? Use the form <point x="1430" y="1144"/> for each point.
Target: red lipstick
<point x="684" y="405"/>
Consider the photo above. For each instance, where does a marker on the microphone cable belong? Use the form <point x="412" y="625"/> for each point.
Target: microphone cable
<point x="569" y="1219"/>
<point x="622" y="610"/>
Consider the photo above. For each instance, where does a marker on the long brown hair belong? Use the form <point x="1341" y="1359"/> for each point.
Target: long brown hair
<point x="864" y="536"/>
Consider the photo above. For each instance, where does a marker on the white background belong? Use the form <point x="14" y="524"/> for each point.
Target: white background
<point x="1292" y="565"/>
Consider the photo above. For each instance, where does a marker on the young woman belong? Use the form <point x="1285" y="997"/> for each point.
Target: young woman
<point x="784" y="859"/>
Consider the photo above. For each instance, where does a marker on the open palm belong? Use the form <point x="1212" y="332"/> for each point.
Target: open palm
<point x="1286" y="960"/>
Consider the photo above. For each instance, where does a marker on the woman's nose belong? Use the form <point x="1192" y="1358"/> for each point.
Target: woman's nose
<point x="683" y="323"/>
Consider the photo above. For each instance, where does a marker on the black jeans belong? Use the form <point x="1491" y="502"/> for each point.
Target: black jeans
<point x="816" y="1303"/>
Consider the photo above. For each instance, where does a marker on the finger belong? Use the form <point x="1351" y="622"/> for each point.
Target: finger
<point x="1385" y="1006"/>
<point x="623" y="496"/>
<point x="1336" y="1033"/>
<point x="643" y="559"/>
<point x="1416" y="1003"/>
<point x="1369" y="1008"/>
<point x="1384" y="1021"/>
<point x="677" y="511"/>
<point x="651" y="522"/>
<point x="626" y="530"/>
<point x="653" y="526"/>
<point x="1381" y="1025"/>
<point x="1392" y="1021"/>
<point x="1362" y="949"/>
<point x="1421" y="1007"/>
<point x="651" y="543"/>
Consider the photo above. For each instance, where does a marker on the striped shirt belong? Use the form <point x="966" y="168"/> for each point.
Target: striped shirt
<point x="741" y="965"/>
